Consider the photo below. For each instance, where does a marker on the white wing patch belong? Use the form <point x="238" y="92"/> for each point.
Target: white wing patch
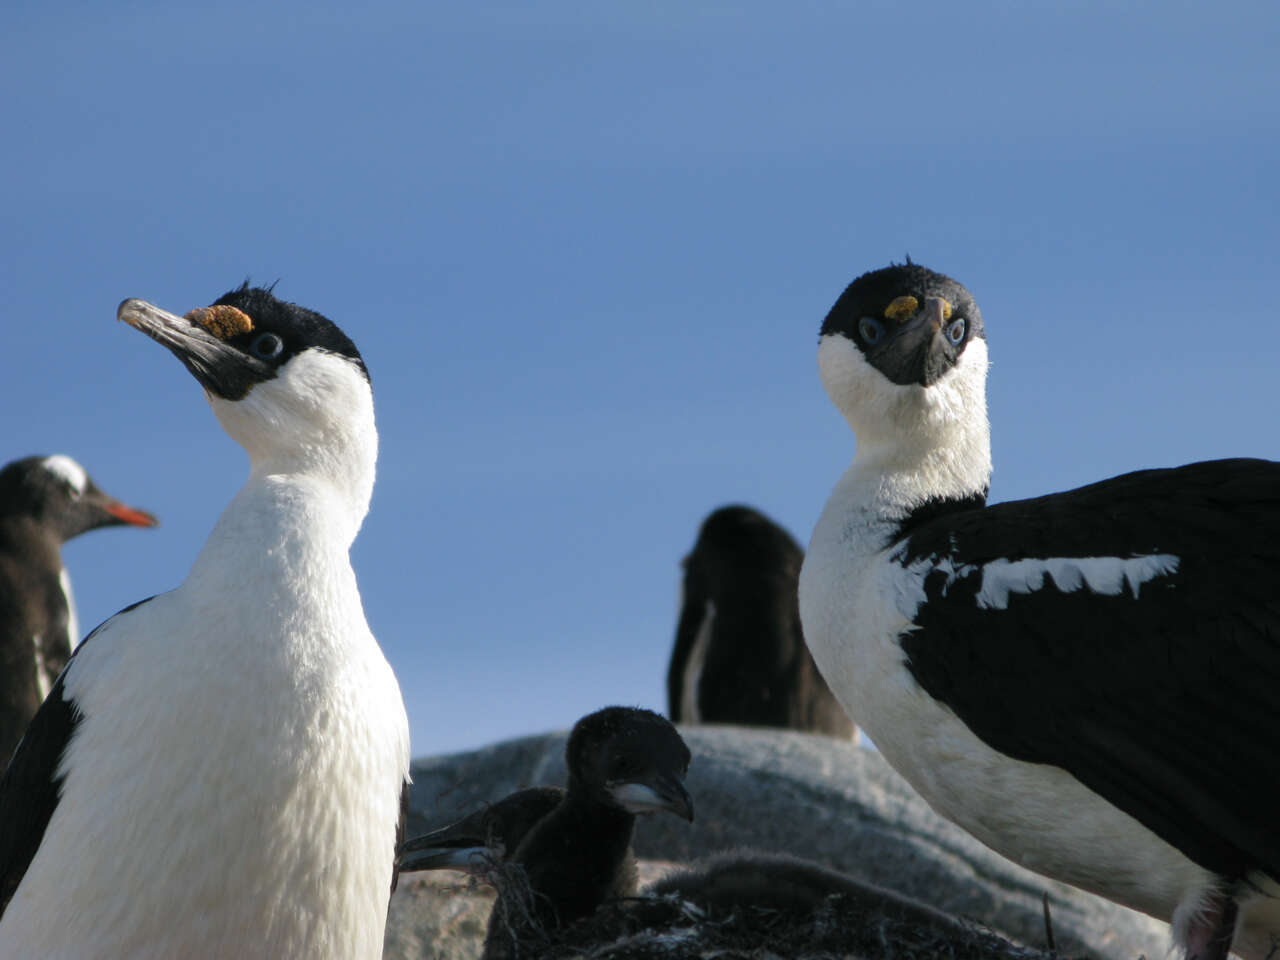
<point x="1107" y="575"/>
<point x="1000" y="578"/>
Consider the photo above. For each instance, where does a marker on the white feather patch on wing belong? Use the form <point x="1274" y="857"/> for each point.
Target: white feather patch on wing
<point x="1103" y="575"/>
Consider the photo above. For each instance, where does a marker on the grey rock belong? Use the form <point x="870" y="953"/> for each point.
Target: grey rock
<point x="437" y="916"/>
<point x="443" y="916"/>
<point x="813" y="796"/>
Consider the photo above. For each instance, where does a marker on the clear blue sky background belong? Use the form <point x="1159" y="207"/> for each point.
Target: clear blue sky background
<point x="585" y="249"/>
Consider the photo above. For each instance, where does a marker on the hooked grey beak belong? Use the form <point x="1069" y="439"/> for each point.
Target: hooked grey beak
<point x="221" y="368"/>
<point x="652" y="794"/>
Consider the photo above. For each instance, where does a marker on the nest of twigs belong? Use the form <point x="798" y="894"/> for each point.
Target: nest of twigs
<point x="669" y="927"/>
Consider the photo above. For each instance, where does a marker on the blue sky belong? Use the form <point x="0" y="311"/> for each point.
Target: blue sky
<point x="586" y="248"/>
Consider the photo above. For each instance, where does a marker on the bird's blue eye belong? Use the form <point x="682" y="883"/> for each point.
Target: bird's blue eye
<point x="871" y="330"/>
<point x="266" y="346"/>
<point x="955" y="331"/>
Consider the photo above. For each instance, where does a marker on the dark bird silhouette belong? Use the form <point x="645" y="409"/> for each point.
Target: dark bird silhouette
<point x="44" y="502"/>
<point x="739" y="654"/>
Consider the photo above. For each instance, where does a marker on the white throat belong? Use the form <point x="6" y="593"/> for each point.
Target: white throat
<point x="914" y="443"/>
<point x="314" y="425"/>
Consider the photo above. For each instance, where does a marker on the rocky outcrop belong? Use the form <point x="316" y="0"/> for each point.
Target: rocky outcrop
<point x="812" y="796"/>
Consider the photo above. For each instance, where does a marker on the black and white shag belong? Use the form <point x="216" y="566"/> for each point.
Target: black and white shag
<point x="219" y="770"/>
<point x="739" y="654"/>
<point x="1085" y="681"/>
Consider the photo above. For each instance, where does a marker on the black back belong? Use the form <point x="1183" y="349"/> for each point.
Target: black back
<point x="502" y="826"/>
<point x="498" y="826"/>
<point x="1165" y="703"/>
<point x="757" y="670"/>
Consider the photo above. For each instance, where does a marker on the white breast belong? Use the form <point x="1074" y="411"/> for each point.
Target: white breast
<point x="73" y="622"/>
<point x="694" y="666"/>
<point x="237" y="769"/>
<point x="856" y="603"/>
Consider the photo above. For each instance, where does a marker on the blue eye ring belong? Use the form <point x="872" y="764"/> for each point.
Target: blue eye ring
<point x="871" y="330"/>
<point x="266" y="346"/>
<point x="956" y="331"/>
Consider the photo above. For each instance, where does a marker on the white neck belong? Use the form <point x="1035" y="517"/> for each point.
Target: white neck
<point x="914" y="443"/>
<point x="341" y="487"/>
<point x="311" y="428"/>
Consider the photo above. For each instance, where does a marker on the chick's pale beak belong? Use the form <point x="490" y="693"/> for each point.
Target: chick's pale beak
<point x="652" y="794"/>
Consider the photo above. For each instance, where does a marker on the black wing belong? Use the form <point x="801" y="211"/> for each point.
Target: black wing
<point x="404" y="815"/>
<point x="1165" y="703"/>
<point x="500" y="826"/>
<point x="30" y="787"/>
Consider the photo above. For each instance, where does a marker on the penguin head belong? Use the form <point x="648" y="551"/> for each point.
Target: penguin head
<point x="57" y="493"/>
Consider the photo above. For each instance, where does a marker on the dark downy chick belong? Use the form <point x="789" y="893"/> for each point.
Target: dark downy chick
<point x="622" y="762"/>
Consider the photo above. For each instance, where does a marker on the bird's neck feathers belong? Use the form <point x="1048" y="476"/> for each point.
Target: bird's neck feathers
<point x="285" y="537"/>
<point x="600" y="814"/>
<point x="29" y="536"/>
<point x="589" y="828"/>
<point x="915" y="444"/>
<point x="310" y="431"/>
<point x="589" y="838"/>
